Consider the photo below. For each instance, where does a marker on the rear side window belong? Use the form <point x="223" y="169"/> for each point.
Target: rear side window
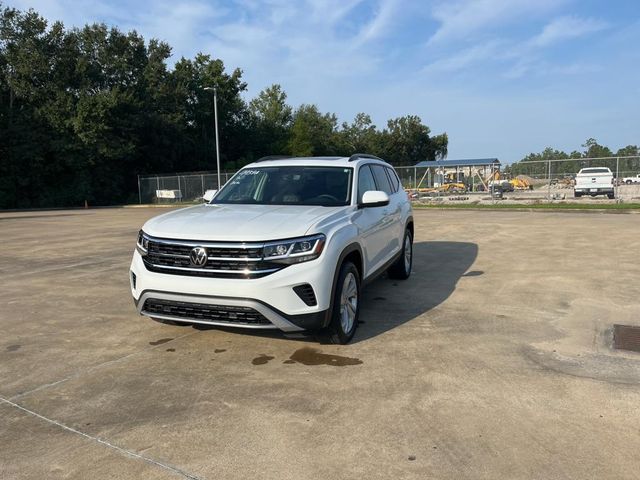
<point x="365" y="181"/>
<point x="595" y="170"/>
<point x="393" y="178"/>
<point x="382" y="181"/>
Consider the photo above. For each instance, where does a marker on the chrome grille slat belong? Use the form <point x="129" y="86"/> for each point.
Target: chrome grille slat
<point x="232" y="260"/>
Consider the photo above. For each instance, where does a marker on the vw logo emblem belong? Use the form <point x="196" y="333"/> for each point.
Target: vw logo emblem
<point x="198" y="257"/>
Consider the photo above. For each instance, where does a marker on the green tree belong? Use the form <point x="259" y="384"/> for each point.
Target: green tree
<point x="406" y="141"/>
<point x="272" y="119"/>
<point x="312" y="133"/>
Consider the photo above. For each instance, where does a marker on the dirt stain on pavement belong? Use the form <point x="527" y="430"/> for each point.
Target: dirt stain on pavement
<point x="262" y="359"/>
<point x="219" y="350"/>
<point x="313" y="356"/>
<point x="171" y="349"/>
<point x="13" y="348"/>
<point x="161" y="341"/>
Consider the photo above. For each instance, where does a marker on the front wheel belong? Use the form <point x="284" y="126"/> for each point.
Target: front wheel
<point x="401" y="269"/>
<point x="346" y="305"/>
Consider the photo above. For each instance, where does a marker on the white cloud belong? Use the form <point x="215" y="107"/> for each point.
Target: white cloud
<point x="467" y="57"/>
<point x="461" y="19"/>
<point x="564" y="28"/>
<point x="380" y="23"/>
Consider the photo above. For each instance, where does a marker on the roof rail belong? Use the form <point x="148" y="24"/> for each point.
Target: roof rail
<point x="357" y="156"/>
<point x="272" y="157"/>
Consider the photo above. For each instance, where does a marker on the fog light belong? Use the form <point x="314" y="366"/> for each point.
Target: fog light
<point x="133" y="280"/>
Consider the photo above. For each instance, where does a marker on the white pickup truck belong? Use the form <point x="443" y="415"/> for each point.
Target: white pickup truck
<point x="630" y="180"/>
<point x="594" y="181"/>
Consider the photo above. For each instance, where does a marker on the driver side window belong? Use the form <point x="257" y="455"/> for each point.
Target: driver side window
<point x="365" y="181"/>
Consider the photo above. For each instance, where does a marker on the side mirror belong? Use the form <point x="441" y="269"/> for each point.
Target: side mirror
<point x="374" y="198"/>
<point x="208" y="195"/>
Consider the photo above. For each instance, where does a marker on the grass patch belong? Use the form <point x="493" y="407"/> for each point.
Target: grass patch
<point x="533" y="206"/>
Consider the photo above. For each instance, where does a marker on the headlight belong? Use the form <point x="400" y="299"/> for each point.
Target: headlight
<point x="296" y="250"/>
<point x="143" y="243"/>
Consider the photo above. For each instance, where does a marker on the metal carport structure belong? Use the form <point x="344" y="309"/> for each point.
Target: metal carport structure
<point x="488" y="165"/>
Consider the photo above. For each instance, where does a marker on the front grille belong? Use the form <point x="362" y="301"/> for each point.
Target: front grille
<point x="160" y="248"/>
<point x="204" y="312"/>
<point x="231" y="260"/>
<point x="306" y="294"/>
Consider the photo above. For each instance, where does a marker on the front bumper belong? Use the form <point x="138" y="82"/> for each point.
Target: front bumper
<point x="272" y="296"/>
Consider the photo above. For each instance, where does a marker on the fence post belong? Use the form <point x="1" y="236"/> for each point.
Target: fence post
<point x="202" y="183"/>
<point x="415" y="178"/>
<point x="617" y="183"/>
<point x="549" y="183"/>
<point x="179" y="189"/>
<point x="139" y="192"/>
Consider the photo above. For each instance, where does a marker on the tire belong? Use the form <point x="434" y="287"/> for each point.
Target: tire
<point x="577" y="195"/>
<point x="401" y="269"/>
<point x="611" y="196"/>
<point x="346" y="306"/>
<point x="628" y="182"/>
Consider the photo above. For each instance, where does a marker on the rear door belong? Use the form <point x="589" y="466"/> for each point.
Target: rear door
<point x="391" y="213"/>
<point x="370" y="223"/>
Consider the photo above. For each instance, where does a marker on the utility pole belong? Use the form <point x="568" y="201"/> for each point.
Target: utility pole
<point x="215" y="113"/>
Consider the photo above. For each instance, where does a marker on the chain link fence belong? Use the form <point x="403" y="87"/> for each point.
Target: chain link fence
<point x="179" y="187"/>
<point x="522" y="182"/>
<point x="556" y="179"/>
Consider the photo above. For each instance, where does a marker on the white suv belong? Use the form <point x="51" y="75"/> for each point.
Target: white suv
<point x="287" y="243"/>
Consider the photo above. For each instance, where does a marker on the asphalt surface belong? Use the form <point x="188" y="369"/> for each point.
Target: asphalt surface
<point x="493" y="360"/>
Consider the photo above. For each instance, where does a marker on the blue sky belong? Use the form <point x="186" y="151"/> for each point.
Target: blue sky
<point x="502" y="77"/>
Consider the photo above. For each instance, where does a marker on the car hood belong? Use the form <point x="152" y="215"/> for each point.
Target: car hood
<point x="239" y="223"/>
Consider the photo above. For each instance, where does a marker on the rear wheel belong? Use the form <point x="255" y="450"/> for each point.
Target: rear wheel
<point x="401" y="269"/>
<point x="611" y="196"/>
<point x="577" y="194"/>
<point x="346" y="305"/>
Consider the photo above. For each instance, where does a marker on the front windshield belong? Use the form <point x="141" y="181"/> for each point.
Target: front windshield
<point x="289" y="185"/>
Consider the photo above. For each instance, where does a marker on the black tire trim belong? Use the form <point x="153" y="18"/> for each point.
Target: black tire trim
<point x="353" y="247"/>
<point x="333" y="292"/>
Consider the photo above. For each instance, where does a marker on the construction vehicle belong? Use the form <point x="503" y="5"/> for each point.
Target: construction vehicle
<point x="453" y="187"/>
<point x="521" y="183"/>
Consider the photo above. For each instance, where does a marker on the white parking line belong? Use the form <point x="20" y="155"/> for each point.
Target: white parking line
<point x="124" y="451"/>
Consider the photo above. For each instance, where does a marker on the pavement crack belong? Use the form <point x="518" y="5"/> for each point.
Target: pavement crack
<point x="95" y="367"/>
<point x="105" y="443"/>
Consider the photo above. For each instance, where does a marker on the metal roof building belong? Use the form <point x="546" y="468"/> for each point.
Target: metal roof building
<point x="470" y="162"/>
<point x="436" y="171"/>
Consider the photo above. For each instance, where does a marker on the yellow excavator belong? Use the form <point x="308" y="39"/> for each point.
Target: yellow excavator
<point x="521" y="183"/>
<point x="517" y="183"/>
<point x="452" y="184"/>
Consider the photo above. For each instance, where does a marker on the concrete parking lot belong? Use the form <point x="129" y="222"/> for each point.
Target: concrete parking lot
<point x="493" y="361"/>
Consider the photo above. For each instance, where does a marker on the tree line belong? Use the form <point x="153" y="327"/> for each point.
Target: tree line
<point x="535" y="163"/>
<point x="83" y="111"/>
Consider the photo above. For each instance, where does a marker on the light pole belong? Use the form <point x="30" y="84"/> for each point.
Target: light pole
<point x="215" y="113"/>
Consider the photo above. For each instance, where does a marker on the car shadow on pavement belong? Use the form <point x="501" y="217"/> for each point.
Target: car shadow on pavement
<point x="437" y="267"/>
<point x="387" y="303"/>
